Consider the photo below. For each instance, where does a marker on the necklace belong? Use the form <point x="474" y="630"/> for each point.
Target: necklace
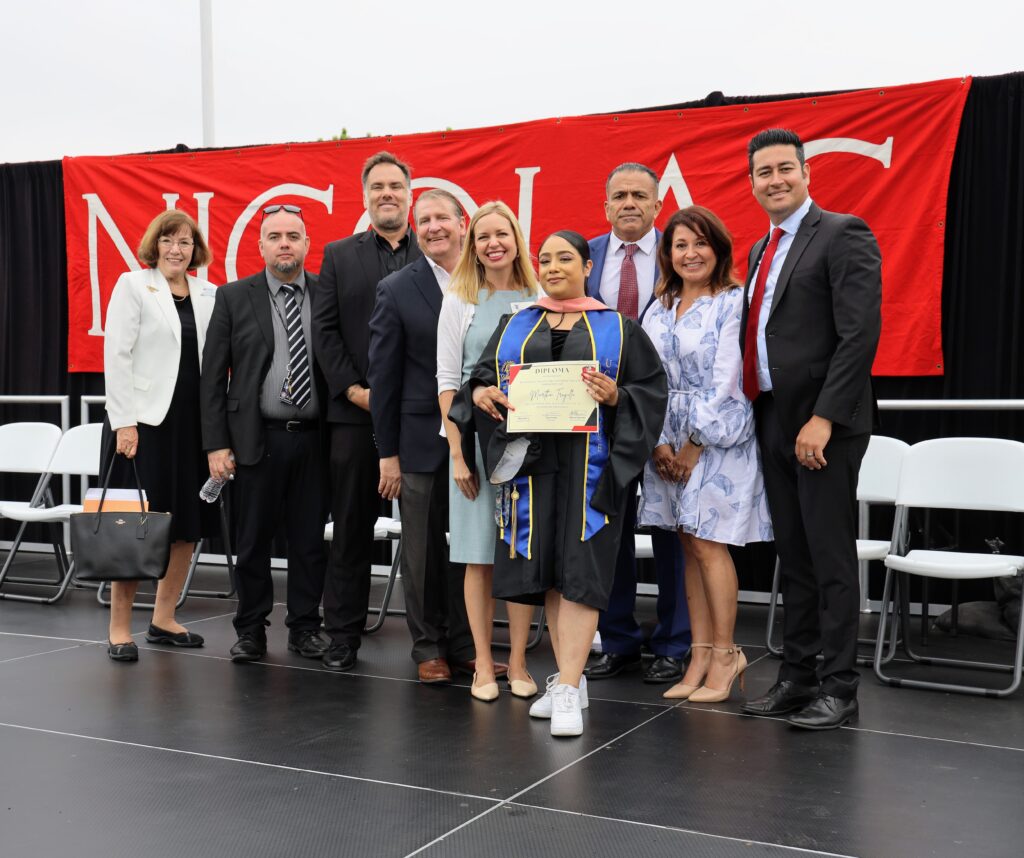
<point x="179" y="299"/>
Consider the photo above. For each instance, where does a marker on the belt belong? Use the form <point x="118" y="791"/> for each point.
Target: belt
<point x="292" y="425"/>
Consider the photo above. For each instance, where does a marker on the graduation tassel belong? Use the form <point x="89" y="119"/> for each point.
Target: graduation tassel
<point x="512" y="544"/>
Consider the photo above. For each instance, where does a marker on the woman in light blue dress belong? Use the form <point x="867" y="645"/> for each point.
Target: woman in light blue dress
<point x="705" y="477"/>
<point x="493" y="278"/>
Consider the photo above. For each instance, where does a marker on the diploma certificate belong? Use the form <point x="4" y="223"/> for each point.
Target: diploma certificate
<point x="551" y="397"/>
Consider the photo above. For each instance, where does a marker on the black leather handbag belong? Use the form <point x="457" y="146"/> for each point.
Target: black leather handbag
<point x="121" y="546"/>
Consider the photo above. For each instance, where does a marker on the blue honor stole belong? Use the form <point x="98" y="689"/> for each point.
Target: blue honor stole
<point x="514" y="513"/>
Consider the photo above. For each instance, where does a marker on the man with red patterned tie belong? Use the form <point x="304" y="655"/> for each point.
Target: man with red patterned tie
<point x="809" y="332"/>
<point x="623" y="277"/>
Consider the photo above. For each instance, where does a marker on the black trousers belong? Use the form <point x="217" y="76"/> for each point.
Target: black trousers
<point x="435" y="605"/>
<point x="355" y="475"/>
<point x="814" y="514"/>
<point x="286" y="485"/>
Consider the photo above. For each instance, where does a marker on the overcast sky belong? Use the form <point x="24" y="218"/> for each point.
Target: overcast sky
<point x="106" y="77"/>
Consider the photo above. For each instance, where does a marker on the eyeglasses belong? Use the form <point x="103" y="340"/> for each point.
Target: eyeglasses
<point x="269" y="210"/>
<point x="183" y="243"/>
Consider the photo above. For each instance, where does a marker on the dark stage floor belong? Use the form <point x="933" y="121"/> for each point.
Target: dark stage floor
<point x="186" y="754"/>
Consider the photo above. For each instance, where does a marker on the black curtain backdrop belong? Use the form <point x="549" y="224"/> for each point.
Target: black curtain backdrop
<point x="982" y="302"/>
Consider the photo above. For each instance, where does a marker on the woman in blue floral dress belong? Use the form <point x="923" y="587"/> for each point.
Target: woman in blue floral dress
<point x="704" y="479"/>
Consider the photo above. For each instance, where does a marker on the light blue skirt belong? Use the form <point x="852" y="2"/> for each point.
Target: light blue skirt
<point x="471" y="523"/>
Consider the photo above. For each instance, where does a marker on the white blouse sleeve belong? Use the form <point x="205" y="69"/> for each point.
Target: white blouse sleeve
<point x="449" y="343"/>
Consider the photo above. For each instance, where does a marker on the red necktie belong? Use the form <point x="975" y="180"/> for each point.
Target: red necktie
<point x="750" y="385"/>
<point x="629" y="291"/>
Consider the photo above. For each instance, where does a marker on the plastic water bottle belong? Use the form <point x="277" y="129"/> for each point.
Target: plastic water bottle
<point x="212" y="487"/>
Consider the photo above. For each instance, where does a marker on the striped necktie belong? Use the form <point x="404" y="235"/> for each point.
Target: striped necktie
<point x="298" y="380"/>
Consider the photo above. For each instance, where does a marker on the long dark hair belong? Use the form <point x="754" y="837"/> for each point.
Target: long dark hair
<point x="708" y="226"/>
<point x="578" y="242"/>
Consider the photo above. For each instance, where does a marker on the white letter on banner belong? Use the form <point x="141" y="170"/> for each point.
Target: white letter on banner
<point x="428" y="182"/>
<point x="526" y="175"/>
<point x="203" y="220"/>
<point x="881" y="152"/>
<point x="326" y="196"/>
<point x="98" y="214"/>
<point x="672" y="179"/>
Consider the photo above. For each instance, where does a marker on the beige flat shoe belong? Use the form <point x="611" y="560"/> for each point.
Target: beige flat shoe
<point x="488" y="693"/>
<point x="682" y="691"/>
<point x="525" y="688"/>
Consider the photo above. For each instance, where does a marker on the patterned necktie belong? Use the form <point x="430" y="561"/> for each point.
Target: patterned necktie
<point x="629" y="291"/>
<point x="750" y="384"/>
<point x="297" y="384"/>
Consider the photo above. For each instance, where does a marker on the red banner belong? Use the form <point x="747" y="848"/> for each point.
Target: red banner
<point x="881" y="154"/>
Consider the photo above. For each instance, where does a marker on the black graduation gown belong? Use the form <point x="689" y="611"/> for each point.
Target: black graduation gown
<point x="582" y="571"/>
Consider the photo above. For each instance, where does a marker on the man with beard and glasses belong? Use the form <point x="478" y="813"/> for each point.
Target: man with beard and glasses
<point x="261" y="396"/>
<point x="352" y="268"/>
<point x="407" y="422"/>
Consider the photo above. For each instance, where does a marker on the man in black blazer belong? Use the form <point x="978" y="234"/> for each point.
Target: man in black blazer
<point x="262" y="397"/>
<point x="407" y="422"/>
<point x="351" y="270"/>
<point x="809" y="333"/>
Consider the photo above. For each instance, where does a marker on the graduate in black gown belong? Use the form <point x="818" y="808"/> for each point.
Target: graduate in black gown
<point x="562" y="496"/>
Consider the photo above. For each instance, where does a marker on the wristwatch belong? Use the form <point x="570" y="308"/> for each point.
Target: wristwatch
<point x="695" y="439"/>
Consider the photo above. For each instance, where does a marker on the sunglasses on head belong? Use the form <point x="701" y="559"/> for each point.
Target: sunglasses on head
<point x="282" y="207"/>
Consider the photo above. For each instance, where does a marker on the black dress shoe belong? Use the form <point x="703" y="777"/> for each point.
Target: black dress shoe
<point x="611" y="664"/>
<point x="784" y="696"/>
<point x="825" y="713"/>
<point x="158" y="635"/>
<point x="308" y="644"/>
<point x="249" y="647"/>
<point x="123" y="651"/>
<point x="339" y="657"/>
<point x="664" y="668"/>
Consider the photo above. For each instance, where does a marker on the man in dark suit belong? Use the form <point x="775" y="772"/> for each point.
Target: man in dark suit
<point x="407" y="422"/>
<point x="261" y="396"/>
<point x="623" y="277"/>
<point x="351" y="270"/>
<point x="809" y="333"/>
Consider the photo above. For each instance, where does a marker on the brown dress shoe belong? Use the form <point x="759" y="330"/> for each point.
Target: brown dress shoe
<point x="435" y="671"/>
<point x="469" y="668"/>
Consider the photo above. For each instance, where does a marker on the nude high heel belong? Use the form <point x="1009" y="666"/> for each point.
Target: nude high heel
<point x="682" y="691"/>
<point x="705" y="694"/>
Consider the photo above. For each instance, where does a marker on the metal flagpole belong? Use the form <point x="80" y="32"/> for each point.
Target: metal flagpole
<point x="206" y="63"/>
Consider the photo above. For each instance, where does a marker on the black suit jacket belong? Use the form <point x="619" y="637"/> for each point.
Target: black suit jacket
<point x="236" y="358"/>
<point x="341" y="321"/>
<point x="824" y="323"/>
<point x="403" y="369"/>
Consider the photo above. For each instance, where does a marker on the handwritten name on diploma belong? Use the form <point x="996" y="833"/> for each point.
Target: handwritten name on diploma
<point x="551" y="397"/>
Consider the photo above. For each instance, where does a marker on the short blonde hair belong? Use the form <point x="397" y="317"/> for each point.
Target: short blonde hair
<point x="469" y="276"/>
<point x="169" y="223"/>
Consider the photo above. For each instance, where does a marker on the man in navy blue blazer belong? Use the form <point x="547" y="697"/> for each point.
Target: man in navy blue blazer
<point x="407" y="424"/>
<point x="623" y="277"/>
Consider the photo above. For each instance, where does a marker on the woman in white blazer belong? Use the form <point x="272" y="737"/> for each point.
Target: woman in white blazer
<point x="155" y="329"/>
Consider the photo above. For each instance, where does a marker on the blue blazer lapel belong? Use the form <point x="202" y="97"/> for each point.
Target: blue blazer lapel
<point x="426" y="283"/>
<point x="598" y="251"/>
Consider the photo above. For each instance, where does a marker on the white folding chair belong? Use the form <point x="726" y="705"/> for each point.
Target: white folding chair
<point x="78" y="453"/>
<point x="26" y="448"/>
<point x="876" y="484"/>
<point x="952" y="473"/>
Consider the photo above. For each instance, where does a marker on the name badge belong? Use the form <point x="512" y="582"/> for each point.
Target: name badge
<point x="521" y="305"/>
<point x="209" y="291"/>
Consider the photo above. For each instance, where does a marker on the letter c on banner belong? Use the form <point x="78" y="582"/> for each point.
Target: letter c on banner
<point x="326" y="196"/>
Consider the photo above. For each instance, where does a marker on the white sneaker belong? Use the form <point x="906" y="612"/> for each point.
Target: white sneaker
<point x="566" y="712"/>
<point x="542" y="707"/>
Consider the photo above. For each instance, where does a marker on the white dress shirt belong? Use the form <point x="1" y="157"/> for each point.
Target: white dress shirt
<point x="442" y="276"/>
<point x="646" y="263"/>
<point x="789" y="228"/>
